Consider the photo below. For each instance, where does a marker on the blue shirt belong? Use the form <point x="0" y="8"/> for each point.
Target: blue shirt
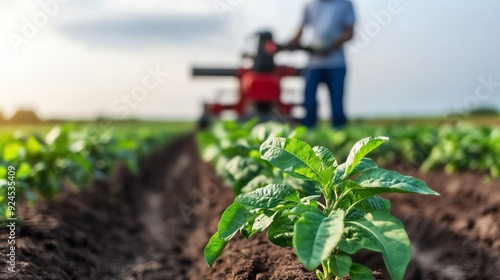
<point x="328" y="19"/>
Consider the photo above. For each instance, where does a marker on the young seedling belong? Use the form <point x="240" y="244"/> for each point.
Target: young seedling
<point x="349" y="216"/>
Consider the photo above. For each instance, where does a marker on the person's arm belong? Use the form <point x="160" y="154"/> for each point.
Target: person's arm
<point x="348" y="22"/>
<point x="298" y="35"/>
<point x="346" y="37"/>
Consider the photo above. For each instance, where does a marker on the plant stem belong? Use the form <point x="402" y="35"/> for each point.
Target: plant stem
<point x="324" y="207"/>
<point x="343" y="195"/>
<point x="354" y="204"/>
<point x="329" y="275"/>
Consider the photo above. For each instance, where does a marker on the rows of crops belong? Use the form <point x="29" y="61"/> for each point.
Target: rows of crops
<point x="459" y="147"/>
<point x="36" y="165"/>
<point x="304" y="198"/>
<point x="289" y="183"/>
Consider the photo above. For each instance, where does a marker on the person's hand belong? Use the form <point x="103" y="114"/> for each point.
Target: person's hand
<point x="271" y="48"/>
<point x="321" y="49"/>
<point x="292" y="45"/>
<point x="325" y="49"/>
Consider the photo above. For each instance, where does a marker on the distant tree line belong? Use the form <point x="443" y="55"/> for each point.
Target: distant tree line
<point x="28" y="116"/>
<point x="22" y="116"/>
<point x="484" y="112"/>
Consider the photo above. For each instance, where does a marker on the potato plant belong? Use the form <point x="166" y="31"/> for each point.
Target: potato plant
<point x="456" y="148"/>
<point x="44" y="163"/>
<point x="233" y="150"/>
<point x="466" y="148"/>
<point x="346" y="213"/>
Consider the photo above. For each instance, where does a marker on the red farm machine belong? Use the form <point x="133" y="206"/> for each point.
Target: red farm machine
<point x="260" y="92"/>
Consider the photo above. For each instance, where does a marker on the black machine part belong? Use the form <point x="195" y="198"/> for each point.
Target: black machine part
<point x="263" y="61"/>
<point x="216" y="72"/>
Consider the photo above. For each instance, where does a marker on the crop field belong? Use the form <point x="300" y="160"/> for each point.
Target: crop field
<point x="379" y="200"/>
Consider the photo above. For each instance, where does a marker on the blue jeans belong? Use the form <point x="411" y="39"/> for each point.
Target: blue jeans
<point x="334" y="79"/>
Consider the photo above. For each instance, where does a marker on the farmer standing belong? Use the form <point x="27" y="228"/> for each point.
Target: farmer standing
<point x="332" y="24"/>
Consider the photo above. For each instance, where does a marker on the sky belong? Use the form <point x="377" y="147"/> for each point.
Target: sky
<point x="84" y="58"/>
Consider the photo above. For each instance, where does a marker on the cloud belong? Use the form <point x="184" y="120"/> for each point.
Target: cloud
<point x="146" y="30"/>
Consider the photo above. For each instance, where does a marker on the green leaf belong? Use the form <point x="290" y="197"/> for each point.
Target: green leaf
<point x="301" y="209"/>
<point x="233" y="219"/>
<point x="340" y="264"/>
<point x="3" y="172"/>
<point x="377" y="181"/>
<point x="265" y="131"/>
<point x="360" y="150"/>
<point x="280" y="232"/>
<point x="316" y="236"/>
<point x="328" y="162"/>
<point x="29" y="194"/>
<point x="214" y="249"/>
<point x="360" y="272"/>
<point x="311" y="198"/>
<point x="23" y="171"/>
<point x="58" y="138"/>
<point x="33" y="146"/>
<point x="242" y="168"/>
<point x="325" y="156"/>
<point x="270" y="196"/>
<point x="263" y="221"/>
<point x="82" y="162"/>
<point x="257" y="183"/>
<point x="320" y="275"/>
<point x="294" y="157"/>
<point x="379" y="232"/>
<point x="208" y="144"/>
<point x="13" y="151"/>
<point x="306" y="187"/>
<point x="249" y="124"/>
<point x="53" y="135"/>
<point x="374" y="203"/>
<point x="364" y="164"/>
<point x="298" y="132"/>
<point x="247" y="230"/>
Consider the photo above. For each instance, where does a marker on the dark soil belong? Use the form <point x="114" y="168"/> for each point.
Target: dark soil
<point x="155" y="225"/>
<point x="453" y="236"/>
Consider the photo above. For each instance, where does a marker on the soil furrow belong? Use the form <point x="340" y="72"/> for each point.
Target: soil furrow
<point x="155" y="225"/>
